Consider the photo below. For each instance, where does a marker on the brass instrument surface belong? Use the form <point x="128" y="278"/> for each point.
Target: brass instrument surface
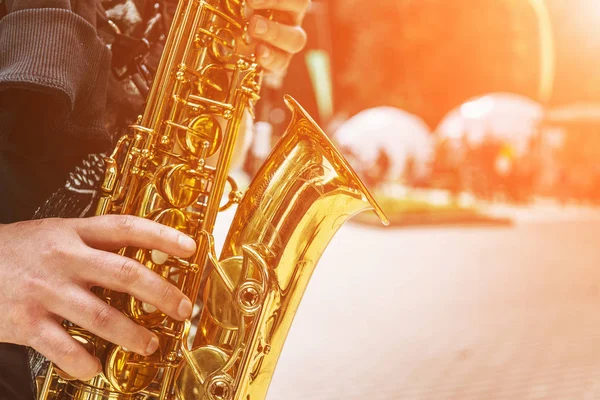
<point x="206" y="81"/>
<point x="301" y="196"/>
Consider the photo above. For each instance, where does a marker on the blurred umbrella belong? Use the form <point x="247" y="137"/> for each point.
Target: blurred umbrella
<point x="403" y="136"/>
<point x="510" y="118"/>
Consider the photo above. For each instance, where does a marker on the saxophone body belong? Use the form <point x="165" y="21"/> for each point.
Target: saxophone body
<point x="173" y="168"/>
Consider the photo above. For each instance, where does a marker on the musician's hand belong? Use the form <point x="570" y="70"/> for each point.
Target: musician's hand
<point x="48" y="267"/>
<point x="278" y="40"/>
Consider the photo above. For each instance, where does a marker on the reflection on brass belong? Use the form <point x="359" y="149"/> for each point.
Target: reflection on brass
<point x="203" y="129"/>
<point x="128" y="372"/>
<point x="302" y="195"/>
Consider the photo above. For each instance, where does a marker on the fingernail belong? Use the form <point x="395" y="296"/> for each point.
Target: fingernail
<point x="152" y="346"/>
<point x="187" y="243"/>
<point x="260" y="26"/>
<point x="185" y="309"/>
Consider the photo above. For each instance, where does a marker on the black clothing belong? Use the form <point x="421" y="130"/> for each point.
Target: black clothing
<point x="58" y="103"/>
<point x="34" y="159"/>
<point x="53" y="73"/>
<point x="14" y="373"/>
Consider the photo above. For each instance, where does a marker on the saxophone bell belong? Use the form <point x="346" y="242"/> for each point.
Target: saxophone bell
<point x="301" y="196"/>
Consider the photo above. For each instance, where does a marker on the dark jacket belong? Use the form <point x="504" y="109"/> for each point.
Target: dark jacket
<point x="53" y="74"/>
<point x="53" y="80"/>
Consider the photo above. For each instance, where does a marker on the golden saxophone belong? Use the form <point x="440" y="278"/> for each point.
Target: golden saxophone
<point x="303" y="193"/>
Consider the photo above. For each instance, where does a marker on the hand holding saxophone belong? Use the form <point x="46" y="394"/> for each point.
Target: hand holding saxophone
<point x="278" y="40"/>
<point x="51" y="266"/>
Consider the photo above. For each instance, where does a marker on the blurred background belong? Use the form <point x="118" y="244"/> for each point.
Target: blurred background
<point x="476" y="123"/>
<point x="458" y="102"/>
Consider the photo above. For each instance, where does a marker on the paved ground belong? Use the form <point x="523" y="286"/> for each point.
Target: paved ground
<point x="452" y="313"/>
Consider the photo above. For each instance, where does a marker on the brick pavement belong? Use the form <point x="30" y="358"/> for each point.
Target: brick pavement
<point x="464" y="314"/>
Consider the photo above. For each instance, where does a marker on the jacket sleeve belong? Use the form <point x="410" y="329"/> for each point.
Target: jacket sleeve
<point x="53" y="82"/>
<point x="46" y="48"/>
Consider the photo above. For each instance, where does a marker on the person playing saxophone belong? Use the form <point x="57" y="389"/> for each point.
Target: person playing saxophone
<point x="54" y="70"/>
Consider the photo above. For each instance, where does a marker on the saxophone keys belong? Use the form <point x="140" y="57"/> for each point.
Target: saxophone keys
<point x="214" y="83"/>
<point x="235" y="195"/>
<point x="180" y="189"/>
<point x="145" y="314"/>
<point x="223" y="44"/>
<point x="203" y="136"/>
<point x="129" y="372"/>
<point x="200" y="375"/>
<point x="158" y="257"/>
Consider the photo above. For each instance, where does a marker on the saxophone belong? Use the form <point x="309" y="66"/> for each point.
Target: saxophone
<point x="205" y="83"/>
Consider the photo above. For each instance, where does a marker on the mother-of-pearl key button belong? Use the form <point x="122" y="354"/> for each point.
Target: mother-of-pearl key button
<point x="149" y="308"/>
<point x="158" y="257"/>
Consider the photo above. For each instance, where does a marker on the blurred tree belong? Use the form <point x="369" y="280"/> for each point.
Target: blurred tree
<point x="576" y="29"/>
<point x="428" y="56"/>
